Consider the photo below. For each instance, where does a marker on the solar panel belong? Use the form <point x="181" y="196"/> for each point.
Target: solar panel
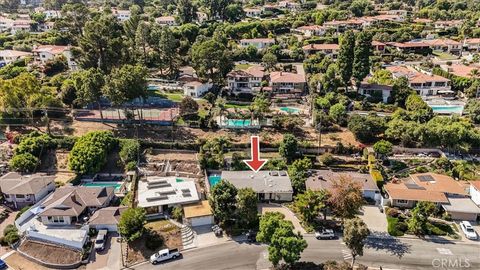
<point x="414" y="186"/>
<point x="426" y="178"/>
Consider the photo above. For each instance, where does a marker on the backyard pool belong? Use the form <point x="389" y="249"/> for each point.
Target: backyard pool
<point x="239" y="122"/>
<point x="116" y="185"/>
<point x="447" y="109"/>
<point x="152" y="87"/>
<point x="289" y="110"/>
<point x="213" y="180"/>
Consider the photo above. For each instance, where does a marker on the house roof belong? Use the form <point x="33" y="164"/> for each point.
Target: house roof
<point x="421" y="20"/>
<point x="15" y="183"/>
<point x="13" y="53"/>
<point x="72" y="201"/>
<point x="475" y="184"/>
<point x="320" y="47"/>
<point x="310" y="27"/>
<point x="107" y="216"/>
<point x="461" y="205"/>
<point x="425" y="187"/>
<point x="415" y="76"/>
<point x="472" y="41"/>
<point x="157" y="191"/>
<point x="324" y="179"/>
<point x="409" y="44"/>
<point x="253" y="71"/>
<point x="441" y="42"/>
<point x="286" y="77"/>
<point x="262" y="40"/>
<point x="260" y="182"/>
<point x="199" y="209"/>
<point x="53" y="49"/>
<point x="461" y="70"/>
<point x="165" y="19"/>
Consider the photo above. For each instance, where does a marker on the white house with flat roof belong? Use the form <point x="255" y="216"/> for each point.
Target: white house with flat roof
<point x="269" y="185"/>
<point x="157" y="193"/>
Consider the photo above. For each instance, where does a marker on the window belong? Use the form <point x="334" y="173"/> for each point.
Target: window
<point x="20" y="196"/>
<point x="402" y="201"/>
<point x="55" y="219"/>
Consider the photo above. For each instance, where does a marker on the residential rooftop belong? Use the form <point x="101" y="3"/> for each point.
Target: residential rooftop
<point x="260" y="182"/>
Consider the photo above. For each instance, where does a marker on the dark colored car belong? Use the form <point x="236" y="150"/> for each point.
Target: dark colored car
<point x="3" y="265"/>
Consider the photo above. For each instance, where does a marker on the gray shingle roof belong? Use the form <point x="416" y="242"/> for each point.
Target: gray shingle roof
<point x="15" y="183"/>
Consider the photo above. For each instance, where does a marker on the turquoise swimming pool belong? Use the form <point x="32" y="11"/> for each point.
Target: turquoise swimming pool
<point x="289" y="109"/>
<point x="214" y="179"/>
<point x="116" y="185"/>
<point x="447" y="109"/>
<point x="239" y="122"/>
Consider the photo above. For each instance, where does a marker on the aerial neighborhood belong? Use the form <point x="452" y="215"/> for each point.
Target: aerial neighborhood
<point x="240" y="134"/>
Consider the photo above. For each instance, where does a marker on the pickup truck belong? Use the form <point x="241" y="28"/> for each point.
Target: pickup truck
<point x="164" y="254"/>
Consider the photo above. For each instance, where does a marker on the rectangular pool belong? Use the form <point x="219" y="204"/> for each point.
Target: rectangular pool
<point x="116" y="185"/>
<point x="214" y="179"/>
<point x="238" y="122"/>
<point x="289" y="110"/>
<point x="447" y="109"/>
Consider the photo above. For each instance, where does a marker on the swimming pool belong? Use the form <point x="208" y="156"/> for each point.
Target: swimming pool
<point x="214" y="179"/>
<point x="152" y="87"/>
<point x="289" y="109"/>
<point x="239" y="122"/>
<point x="447" y="109"/>
<point x="116" y="185"/>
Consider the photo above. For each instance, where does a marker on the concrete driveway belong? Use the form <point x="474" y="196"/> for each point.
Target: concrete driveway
<point x="109" y="258"/>
<point x="289" y="215"/>
<point x="376" y="221"/>
<point x="204" y="237"/>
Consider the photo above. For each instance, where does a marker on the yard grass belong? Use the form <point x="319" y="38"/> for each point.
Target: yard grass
<point x="444" y="56"/>
<point x="175" y="97"/>
<point x="393" y="228"/>
<point x="242" y="66"/>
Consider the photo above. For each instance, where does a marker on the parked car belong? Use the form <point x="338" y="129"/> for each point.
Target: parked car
<point x="217" y="230"/>
<point x="101" y="239"/>
<point x="251" y="236"/>
<point x="468" y="230"/>
<point x="3" y="265"/>
<point x="164" y="255"/>
<point x="325" y="234"/>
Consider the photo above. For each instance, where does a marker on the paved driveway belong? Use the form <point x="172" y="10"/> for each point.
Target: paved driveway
<point x="289" y="215"/>
<point x="376" y="221"/>
<point x="109" y="258"/>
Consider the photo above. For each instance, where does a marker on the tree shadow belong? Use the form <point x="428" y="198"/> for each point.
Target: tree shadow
<point x="388" y="243"/>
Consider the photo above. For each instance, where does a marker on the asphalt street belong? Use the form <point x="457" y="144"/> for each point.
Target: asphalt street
<point x="387" y="252"/>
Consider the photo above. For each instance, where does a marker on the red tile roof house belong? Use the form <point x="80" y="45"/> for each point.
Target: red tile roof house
<point x="425" y="84"/>
<point x="461" y="70"/>
<point x="445" y="45"/>
<point x="245" y="81"/>
<point x="287" y="83"/>
<point x="472" y="44"/>
<point x="441" y="25"/>
<point x="312" y="30"/>
<point x="327" y="49"/>
<point x="440" y="189"/>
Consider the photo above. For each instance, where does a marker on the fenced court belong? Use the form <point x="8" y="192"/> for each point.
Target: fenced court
<point x="149" y="116"/>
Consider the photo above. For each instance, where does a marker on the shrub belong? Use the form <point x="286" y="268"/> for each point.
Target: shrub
<point x="154" y="240"/>
<point x="34" y="143"/>
<point x="392" y="212"/>
<point x="177" y="213"/>
<point x="421" y="169"/>
<point x="90" y="151"/>
<point x="393" y="227"/>
<point x="66" y="142"/>
<point x="129" y="150"/>
<point x="10" y="234"/>
<point x="131" y="166"/>
<point x="327" y="159"/>
<point x="25" y="162"/>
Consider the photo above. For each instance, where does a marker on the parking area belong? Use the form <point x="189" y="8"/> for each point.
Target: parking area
<point x="204" y="237"/>
<point x="107" y="259"/>
<point x="375" y="220"/>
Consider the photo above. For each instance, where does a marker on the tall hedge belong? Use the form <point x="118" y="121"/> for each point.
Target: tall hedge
<point x="90" y="152"/>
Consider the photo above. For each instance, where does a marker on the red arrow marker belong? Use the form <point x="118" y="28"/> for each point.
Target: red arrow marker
<point x="255" y="163"/>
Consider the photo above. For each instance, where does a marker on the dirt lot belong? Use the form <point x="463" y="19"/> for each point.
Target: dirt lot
<point x="18" y="262"/>
<point x="172" y="239"/>
<point x="50" y="253"/>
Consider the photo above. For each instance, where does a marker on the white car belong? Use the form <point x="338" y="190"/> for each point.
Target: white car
<point x="101" y="239"/>
<point x="325" y="234"/>
<point x="468" y="230"/>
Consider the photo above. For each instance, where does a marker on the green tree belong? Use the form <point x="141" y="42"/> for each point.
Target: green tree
<point x="473" y="110"/>
<point x="90" y="151"/>
<point x="288" y="147"/>
<point x="25" y="163"/>
<point x="129" y="150"/>
<point x="338" y="112"/>
<point x="362" y="53"/>
<point x="366" y="128"/>
<point x="298" y="173"/>
<point x="165" y="48"/>
<point x="188" y="106"/>
<point x="260" y="106"/>
<point x="88" y="84"/>
<point x="346" y="56"/>
<point x="383" y="148"/>
<point x="211" y="60"/>
<point x="131" y="224"/>
<point x="270" y="61"/>
<point x="346" y="197"/>
<point x="310" y="204"/>
<point x="401" y="91"/>
<point x="212" y="153"/>
<point x="420" y="213"/>
<point x="355" y="233"/>
<point x="186" y="11"/>
<point x="102" y="44"/>
<point x="382" y="76"/>
<point x="234" y="12"/>
<point x="279" y="235"/>
<point x="247" y="211"/>
<point x="223" y="200"/>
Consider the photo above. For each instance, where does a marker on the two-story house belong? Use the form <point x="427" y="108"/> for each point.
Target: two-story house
<point x="327" y="49"/>
<point x="22" y="190"/>
<point x="287" y="83"/>
<point x="259" y="43"/>
<point x="245" y="81"/>
<point x="252" y="12"/>
<point x="44" y="53"/>
<point x="196" y="88"/>
<point x="312" y="30"/>
<point x="425" y="84"/>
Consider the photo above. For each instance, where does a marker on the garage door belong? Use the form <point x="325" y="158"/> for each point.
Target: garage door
<point x="199" y="221"/>
<point x="110" y="228"/>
